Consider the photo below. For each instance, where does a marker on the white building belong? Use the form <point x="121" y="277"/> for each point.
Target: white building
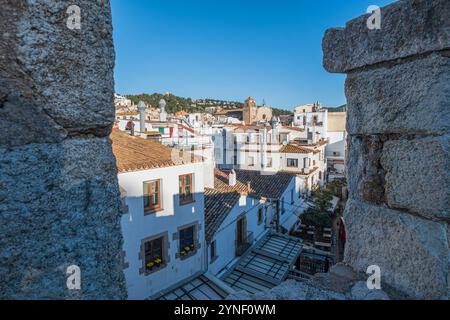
<point x="164" y="228"/>
<point x="195" y="120"/>
<point x="169" y="131"/>
<point x="270" y="149"/>
<point x="242" y="208"/>
<point x="337" y="144"/>
<point x="308" y="163"/>
<point x="121" y="102"/>
<point x="313" y="119"/>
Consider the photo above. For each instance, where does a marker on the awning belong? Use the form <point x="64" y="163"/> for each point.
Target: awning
<point x="266" y="265"/>
<point x="204" y="287"/>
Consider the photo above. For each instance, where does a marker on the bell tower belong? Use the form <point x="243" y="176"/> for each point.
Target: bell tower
<point x="250" y="111"/>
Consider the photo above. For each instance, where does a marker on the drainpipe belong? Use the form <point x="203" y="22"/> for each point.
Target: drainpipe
<point x="206" y="258"/>
<point x="224" y="146"/>
<point x="277" y="219"/>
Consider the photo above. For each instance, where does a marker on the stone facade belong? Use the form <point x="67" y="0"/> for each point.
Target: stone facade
<point x="59" y="196"/>
<point x="398" y="120"/>
<point x="252" y="114"/>
<point x="398" y="92"/>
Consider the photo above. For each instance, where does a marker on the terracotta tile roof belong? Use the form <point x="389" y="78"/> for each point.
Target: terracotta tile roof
<point x="129" y="113"/>
<point x="245" y="128"/>
<point x="261" y="185"/>
<point x="317" y="144"/>
<point x="294" y="129"/>
<point x="217" y="207"/>
<point x="301" y="173"/>
<point x="181" y="113"/>
<point x="137" y="154"/>
<point x="227" y="111"/>
<point x="292" y="148"/>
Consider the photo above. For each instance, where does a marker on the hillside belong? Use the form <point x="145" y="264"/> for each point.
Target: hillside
<point x="337" y="109"/>
<point x="175" y="103"/>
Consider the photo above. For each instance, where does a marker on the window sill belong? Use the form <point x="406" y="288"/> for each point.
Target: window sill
<point x="214" y="259"/>
<point x="152" y="211"/>
<point x="187" y="256"/>
<point x="185" y="203"/>
<point x="149" y="272"/>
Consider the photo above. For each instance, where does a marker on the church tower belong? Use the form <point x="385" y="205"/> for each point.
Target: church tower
<point x="250" y="111"/>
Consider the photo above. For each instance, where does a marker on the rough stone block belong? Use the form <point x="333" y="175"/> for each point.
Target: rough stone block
<point x="417" y="175"/>
<point x="413" y="97"/>
<point x="55" y="82"/>
<point x="448" y="276"/>
<point x="408" y="28"/>
<point x="290" y="290"/>
<point x="60" y="206"/>
<point x="412" y="253"/>
<point x="365" y="174"/>
<point x="360" y="292"/>
<point x="405" y="173"/>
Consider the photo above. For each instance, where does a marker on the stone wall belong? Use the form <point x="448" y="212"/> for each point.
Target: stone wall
<point x="59" y="196"/>
<point x="398" y="92"/>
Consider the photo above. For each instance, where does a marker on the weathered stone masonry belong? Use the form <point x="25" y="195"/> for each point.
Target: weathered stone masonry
<point x="398" y="92"/>
<point x="59" y="197"/>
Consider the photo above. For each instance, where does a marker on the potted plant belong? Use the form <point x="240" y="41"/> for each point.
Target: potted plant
<point x="150" y="265"/>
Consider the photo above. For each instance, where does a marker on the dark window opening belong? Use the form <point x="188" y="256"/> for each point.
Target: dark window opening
<point x="154" y="254"/>
<point x="260" y="216"/>
<point x="292" y="163"/>
<point x="213" y="251"/>
<point x="187" y="243"/>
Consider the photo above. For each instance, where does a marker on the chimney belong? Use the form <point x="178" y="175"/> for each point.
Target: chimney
<point x="232" y="178"/>
<point x="162" y="110"/>
<point x="249" y="187"/>
<point x="141" y="109"/>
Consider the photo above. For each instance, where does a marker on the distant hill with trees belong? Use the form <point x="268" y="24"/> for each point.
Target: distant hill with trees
<point x="337" y="109"/>
<point x="175" y="103"/>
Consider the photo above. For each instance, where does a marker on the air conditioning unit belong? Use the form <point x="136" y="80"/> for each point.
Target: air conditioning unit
<point x="336" y="154"/>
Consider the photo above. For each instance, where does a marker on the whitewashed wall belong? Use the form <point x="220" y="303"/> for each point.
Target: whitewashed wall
<point x="337" y="143"/>
<point x="136" y="227"/>
<point x="226" y="236"/>
<point x="290" y="217"/>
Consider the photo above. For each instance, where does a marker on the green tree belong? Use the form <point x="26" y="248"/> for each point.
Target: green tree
<point x="322" y="201"/>
<point x="175" y="103"/>
<point x="335" y="187"/>
<point x="317" y="219"/>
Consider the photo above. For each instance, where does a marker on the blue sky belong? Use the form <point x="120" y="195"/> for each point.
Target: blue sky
<point x="230" y="49"/>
